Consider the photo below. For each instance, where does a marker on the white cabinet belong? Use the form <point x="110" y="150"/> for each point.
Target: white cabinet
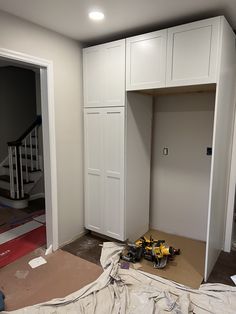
<point x="104" y="75"/>
<point x="113" y="150"/>
<point x="114" y="77"/>
<point x="117" y="177"/>
<point x="104" y="171"/>
<point x="94" y="172"/>
<point x="183" y="55"/>
<point x="93" y="76"/>
<point x="146" y="61"/>
<point x="118" y="130"/>
<point x="193" y="53"/>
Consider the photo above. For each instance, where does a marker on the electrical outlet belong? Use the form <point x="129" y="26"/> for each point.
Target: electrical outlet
<point x="165" y="151"/>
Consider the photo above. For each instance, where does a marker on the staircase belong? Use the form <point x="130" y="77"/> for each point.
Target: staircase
<point x="21" y="169"/>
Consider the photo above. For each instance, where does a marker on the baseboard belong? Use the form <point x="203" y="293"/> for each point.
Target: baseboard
<point x="36" y="196"/>
<point x="82" y="233"/>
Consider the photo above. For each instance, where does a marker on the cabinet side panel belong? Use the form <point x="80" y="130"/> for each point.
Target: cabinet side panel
<point x="222" y="147"/>
<point x="138" y="158"/>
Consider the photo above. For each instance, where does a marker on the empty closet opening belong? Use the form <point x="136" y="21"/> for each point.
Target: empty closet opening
<point x="181" y="163"/>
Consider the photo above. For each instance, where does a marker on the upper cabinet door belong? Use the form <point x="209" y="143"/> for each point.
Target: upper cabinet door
<point x="104" y="75"/>
<point x="114" y="80"/>
<point x="93" y="76"/>
<point x="146" y="61"/>
<point x="192" y="53"/>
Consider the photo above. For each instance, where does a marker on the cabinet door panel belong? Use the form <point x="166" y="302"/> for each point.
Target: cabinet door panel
<point x="114" y="172"/>
<point x="93" y="76"/>
<point x="114" y="90"/>
<point x="146" y="61"/>
<point x="93" y="169"/>
<point x="192" y="53"/>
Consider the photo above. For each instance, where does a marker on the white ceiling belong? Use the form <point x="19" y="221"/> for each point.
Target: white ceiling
<point x="122" y="17"/>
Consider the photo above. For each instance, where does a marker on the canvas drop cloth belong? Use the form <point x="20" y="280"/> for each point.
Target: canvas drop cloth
<point x="131" y="291"/>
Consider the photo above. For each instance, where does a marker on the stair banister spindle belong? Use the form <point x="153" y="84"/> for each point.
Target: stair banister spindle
<point x="21" y="174"/>
<point x="26" y="161"/>
<point x="17" y="173"/>
<point x="11" y="172"/>
<point x="36" y="148"/>
<point x="31" y="152"/>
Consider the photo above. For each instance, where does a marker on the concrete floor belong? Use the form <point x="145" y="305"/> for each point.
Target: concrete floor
<point x="86" y="247"/>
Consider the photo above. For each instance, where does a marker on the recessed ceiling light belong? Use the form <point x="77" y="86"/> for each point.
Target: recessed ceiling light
<point x="96" y="15"/>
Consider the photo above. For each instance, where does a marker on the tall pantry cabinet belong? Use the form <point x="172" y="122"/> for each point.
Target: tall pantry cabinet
<point x="109" y="127"/>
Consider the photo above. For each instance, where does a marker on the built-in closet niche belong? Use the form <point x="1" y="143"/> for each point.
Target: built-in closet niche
<point x="181" y="163"/>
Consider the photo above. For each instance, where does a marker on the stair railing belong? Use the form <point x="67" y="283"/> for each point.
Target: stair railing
<point x="17" y="150"/>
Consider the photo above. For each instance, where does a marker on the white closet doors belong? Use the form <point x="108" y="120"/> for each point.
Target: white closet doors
<point x="104" y="171"/>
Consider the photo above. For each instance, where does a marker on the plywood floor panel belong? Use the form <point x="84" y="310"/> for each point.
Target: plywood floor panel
<point x="188" y="267"/>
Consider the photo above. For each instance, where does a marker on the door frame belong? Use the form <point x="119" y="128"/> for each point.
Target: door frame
<point x="49" y="137"/>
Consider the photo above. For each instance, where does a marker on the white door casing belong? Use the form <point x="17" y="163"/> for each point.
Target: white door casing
<point x="49" y="137"/>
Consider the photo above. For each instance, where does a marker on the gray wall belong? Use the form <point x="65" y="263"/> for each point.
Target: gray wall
<point x="180" y="181"/>
<point x="66" y="54"/>
<point x="17" y="104"/>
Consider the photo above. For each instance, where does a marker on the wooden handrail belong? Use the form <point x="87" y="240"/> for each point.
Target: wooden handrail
<point x="18" y="142"/>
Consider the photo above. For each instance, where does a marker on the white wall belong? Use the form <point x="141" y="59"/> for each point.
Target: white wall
<point x="21" y="36"/>
<point x="180" y="181"/>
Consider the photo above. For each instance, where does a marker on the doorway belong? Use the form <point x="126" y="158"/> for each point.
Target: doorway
<point x="44" y="74"/>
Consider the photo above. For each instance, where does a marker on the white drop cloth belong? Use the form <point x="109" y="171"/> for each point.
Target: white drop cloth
<point x="132" y="291"/>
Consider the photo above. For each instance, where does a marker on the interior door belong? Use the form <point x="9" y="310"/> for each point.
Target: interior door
<point x="114" y="172"/>
<point x="93" y="130"/>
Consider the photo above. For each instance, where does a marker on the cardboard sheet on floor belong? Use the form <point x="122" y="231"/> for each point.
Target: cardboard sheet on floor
<point x="187" y="268"/>
<point x="63" y="274"/>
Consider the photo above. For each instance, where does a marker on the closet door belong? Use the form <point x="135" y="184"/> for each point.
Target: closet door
<point x="93" y="169"/>
<point x="192" y="53"/>
<point x="114" y="64"/>
<point x="93" y="76"/>
<point x="114" y="172"/>
<point x="146" y="61"/>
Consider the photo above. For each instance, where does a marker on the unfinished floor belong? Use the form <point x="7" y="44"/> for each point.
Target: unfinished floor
<point x="65" y="273"/>
<point x="87" y="248"/>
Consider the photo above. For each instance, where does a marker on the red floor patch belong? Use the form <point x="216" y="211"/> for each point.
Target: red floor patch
<point x="16" y="248"/>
